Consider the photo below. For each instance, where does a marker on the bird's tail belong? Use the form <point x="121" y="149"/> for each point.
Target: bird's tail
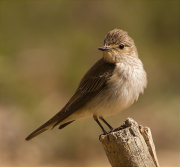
<point x="54" y="121"/>
<point x="43" y="128"/>
<point x="35" y="133"/>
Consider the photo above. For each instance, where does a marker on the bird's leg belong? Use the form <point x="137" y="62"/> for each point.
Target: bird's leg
<point x="96" y="119"/>
<point x="110" y="127"/>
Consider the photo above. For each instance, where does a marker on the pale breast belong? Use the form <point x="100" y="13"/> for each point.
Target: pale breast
<point x="127" y="82"/>
<point x="132" y="79"/>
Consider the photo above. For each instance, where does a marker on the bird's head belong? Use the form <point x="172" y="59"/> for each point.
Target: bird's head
<point x="118" y="45"/>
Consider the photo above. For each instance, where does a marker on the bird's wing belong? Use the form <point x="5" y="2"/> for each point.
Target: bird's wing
<point x="94" y="81"/>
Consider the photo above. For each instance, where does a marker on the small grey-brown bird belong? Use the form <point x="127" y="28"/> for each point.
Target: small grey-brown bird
<point x="112" y="84"/>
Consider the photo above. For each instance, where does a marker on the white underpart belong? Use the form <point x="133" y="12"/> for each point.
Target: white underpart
<point x="127" y="82"/>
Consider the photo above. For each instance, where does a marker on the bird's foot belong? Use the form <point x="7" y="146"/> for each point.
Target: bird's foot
<point x="119" y="128"/>
<point x="111" y="130"/>
<point x="105" y="133"/>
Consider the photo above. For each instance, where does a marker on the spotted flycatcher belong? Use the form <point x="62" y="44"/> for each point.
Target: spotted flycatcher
<point x="112" y="84"/>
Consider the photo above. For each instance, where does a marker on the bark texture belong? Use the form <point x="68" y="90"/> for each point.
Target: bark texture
<point x="130" y="145"/>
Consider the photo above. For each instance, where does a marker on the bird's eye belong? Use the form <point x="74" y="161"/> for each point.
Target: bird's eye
<point x="121" y="46"/>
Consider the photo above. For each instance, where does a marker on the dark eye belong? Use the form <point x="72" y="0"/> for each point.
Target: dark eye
<point x="121" y="46"/>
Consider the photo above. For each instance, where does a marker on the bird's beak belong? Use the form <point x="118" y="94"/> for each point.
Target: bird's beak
<point x="104" y="48"/>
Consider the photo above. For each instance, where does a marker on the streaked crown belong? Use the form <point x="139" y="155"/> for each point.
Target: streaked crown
<point x="116" y="37"/>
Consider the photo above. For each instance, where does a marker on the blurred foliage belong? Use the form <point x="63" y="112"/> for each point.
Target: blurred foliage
<point x="47" y="46"/>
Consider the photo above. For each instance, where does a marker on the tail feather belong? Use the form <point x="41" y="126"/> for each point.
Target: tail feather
<point x="55" y="120"/>
<point x="35" y="133"/>
<point x="43" y="128"/>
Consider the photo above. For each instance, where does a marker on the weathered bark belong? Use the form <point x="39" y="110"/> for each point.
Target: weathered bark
<point x="130" y="145"/>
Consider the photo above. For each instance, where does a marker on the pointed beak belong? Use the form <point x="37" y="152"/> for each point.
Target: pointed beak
<point x="104" y="48"/>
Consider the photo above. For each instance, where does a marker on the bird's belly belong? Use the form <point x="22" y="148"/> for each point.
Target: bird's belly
<point x="105" y="104"/>
<point x="110" y="102"/>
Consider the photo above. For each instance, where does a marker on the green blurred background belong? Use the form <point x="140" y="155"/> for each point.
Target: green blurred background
<point x="47" y="46"/>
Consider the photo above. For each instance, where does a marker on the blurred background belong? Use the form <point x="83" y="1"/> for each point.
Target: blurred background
<point x="46" y="48"/>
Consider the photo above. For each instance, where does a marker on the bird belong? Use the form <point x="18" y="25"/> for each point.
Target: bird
<point x="111" y="85"/>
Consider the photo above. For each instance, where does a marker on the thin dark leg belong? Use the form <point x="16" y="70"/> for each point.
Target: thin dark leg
<point x="96" y="119"/>
<point x="110" y="127"/>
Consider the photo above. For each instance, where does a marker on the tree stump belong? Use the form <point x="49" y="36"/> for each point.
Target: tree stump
<point x="130" y="145"/>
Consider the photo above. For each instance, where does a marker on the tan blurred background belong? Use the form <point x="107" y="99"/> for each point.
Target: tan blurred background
<point x="47" y="46"/>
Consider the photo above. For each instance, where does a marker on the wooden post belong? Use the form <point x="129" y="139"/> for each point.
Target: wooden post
<point x="130" y="145"/>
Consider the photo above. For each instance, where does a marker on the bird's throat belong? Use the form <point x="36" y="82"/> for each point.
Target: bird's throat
<point x="111" y="57"/>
